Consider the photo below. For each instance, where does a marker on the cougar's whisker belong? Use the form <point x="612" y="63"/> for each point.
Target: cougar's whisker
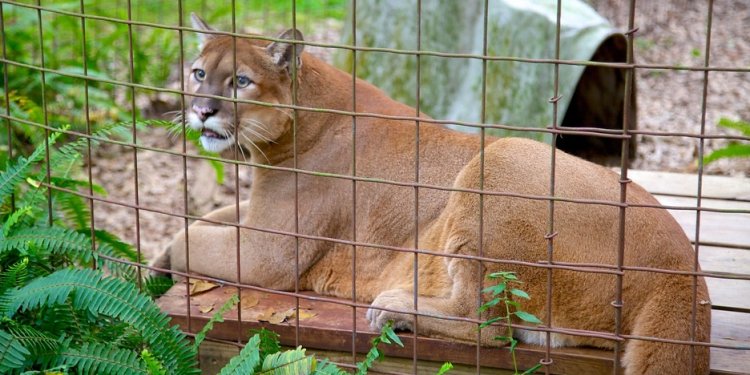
<point x="256" y="147"/>
<point x="253" y="132"/>
<point x="242" y="152"/>
<point x="257" y="125"/>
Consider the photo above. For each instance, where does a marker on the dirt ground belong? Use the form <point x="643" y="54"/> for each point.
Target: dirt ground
<point x="669" y="32"/>
<point x="673" y="32"/>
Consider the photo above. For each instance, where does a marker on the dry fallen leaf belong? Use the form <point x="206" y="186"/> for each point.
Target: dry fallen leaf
<point x="200" y="286"/>
<point x="249" y="301"/>
<point x="275" y="317"/>
<point x="280" y="317"/>
<point x="304" y="314"/>
<point x="265" y="315"/>
<point x="206" y="308"/>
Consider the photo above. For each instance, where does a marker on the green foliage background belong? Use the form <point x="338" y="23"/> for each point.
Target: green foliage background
<point x="58" y="45"/>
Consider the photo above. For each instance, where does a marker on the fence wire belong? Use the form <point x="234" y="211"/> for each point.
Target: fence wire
<point x="625" y="135"/>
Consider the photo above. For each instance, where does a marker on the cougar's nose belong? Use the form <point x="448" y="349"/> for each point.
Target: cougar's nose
<point x="204" y="112"/>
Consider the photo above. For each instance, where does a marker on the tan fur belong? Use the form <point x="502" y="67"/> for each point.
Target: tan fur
<point x="514" y="228"/>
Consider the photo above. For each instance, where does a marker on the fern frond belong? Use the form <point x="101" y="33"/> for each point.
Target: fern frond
<point x="15" y="173"/>
<point x="152" y="364"/>
<point x="52" y="239"/>
<point x="41" y="346"/>
<point x="74" y="209"/>
<point x="71" y="183"/>
<point x="217" y="317"/>
<point x="325" y="367"/>
<point x="62" y="320"/>
<point x="12" y="353"/>
<point x="114" y="298"/>
<point x="246" y="361"/>
<point x="13" y="218"/>
<point x="120" y="249"/>
<point x="157" y="285"/>
<point x="269" y="342"/>
<point x="115" y="268"/>
<point x="70" y="152"/>
<point x="14" y="275"/>
<point x="97" y="358"/>
<point x="290" y="362"/>
<point x="118" y="334"/>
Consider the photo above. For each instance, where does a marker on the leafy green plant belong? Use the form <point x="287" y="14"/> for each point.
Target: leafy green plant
<point x="388" y="336"/>
<point x="49" y="240"/>
<point x="59" y="98"/>
<point x="216" y="318"/>
<point x="53" y="315"/>
<point x="85" y="305"/>
<point x="733" y="149"/>
<point x="263" y="355"/>
<point x="501" y="299"/>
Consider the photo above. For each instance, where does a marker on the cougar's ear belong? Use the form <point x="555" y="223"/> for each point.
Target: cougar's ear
<point x="282" y="52"/>
<point x="200" y="24"/>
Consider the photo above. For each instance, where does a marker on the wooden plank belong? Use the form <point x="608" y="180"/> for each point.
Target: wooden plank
<point x="724" y="292"/>
<point x="687" y="184"/>
<point x="720" y="259"/>
<point x="331" y="329"/>
<point x="729" y="293"/>
<point x="732" y="228"/>
<point x="730" y="328"/>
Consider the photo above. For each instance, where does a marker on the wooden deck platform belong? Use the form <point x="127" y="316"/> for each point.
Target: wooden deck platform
<point x="328" y="326"/>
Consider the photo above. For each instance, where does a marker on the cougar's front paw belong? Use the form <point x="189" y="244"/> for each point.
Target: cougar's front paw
<point x="393" y="300"/>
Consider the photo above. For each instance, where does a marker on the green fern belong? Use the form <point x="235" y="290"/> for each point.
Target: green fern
<point x="71" y="183"/>
<point x="42" y="348"/>
<point x="55" y="240"/>
<point x="245" y="362"/>
<point x="12" y="353"/>
<point x="15" y="173"/>
<point x="325" y="367"/>
<point x="109" y="297"/>
<point x="217" y="317"/>
<point x="63" y="320"/>
<point x="70" y="153"/>
<point x="97" y="358"/>
<point x="119" y="249"/>
<point x="74" y="209"/>
<point x="15" y="275"/>
<point x="290" y="362"/>
<point x="269" y="342"/>
<point x="14" y="218"/>
<point x="152" y="364"/>
<point x="75" y="245"/>
<point x="156" y="286"/>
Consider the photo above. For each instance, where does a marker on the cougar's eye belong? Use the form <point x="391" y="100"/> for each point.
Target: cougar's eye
<point x="199" y="74"/>
<point x="243" y="81"/>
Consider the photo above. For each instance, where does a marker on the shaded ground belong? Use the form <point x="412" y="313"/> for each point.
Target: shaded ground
<point x="673" y="32"/>
<point x="670" y="32"/>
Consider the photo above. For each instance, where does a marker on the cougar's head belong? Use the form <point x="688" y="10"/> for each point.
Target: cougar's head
<point x="263" y="73"/>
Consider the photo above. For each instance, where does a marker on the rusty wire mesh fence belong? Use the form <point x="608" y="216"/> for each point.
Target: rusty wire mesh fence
<point x="122" y="85"/>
